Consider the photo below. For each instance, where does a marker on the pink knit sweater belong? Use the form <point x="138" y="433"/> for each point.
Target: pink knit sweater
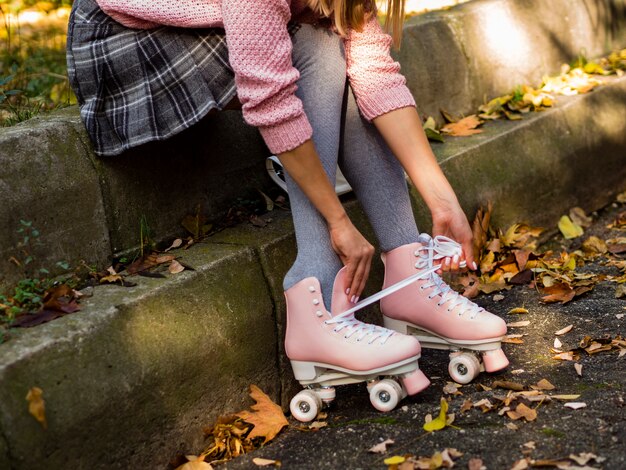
<point x="259" y="50"/>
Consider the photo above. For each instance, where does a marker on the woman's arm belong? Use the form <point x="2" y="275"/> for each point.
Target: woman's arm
<point x="304" y="166"/>
<point x="402" y="130"/>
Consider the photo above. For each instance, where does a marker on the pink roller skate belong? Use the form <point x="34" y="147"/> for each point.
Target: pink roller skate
<point x="327" y="349"/>
<point x="439" y="317"/>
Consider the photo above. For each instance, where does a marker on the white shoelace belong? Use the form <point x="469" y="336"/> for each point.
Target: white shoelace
<point x="436" y="248"/>
<point x="439" y="248"/>
<point x="347" y="320"/>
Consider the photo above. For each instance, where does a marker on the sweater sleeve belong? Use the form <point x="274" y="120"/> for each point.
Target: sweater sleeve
<point x="374" y="76"/>
<point x="259" y="49"/>
<point x="144" y="14"/>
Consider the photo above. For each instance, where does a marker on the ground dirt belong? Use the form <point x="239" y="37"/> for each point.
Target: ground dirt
<point x="354" y="426"/>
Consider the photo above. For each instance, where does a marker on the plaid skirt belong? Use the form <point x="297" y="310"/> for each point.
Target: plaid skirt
<point x="135" y="86"/>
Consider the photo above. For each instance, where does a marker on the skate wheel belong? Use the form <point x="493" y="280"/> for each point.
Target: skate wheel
<point x="385" y="395"/>
<point x="305" y="405"/>
<point x="464" y="368"/>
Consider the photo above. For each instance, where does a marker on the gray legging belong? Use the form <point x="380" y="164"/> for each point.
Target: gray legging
<point x="342" y="136"/>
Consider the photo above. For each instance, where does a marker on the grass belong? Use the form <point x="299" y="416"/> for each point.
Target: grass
<point x="550" y="432"/>
<point x="33" y="70"/>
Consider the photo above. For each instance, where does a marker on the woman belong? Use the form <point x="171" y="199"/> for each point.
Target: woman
<point x="146" y="70"/>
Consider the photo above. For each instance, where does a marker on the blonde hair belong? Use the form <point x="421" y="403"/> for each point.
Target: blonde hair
<point x="353" y="14"/>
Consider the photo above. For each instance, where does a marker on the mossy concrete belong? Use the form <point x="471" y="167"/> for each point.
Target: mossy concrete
<point x="44" y="181"/>
<point x="458" y="58"/>
<point x="205" y="167"/>
<point x="133" y="377"/>
<point x="536" y="169"/>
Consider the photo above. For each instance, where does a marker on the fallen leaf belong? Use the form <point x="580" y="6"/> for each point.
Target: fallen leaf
<point x="518" y="324"/>
<point x="381" y="448"/>
<point x="37" y="406"/>
<point x="518" y="310"/>
<point x="395" y="460"/>
<point x="267" y="417"/>
<point x="594" y="244"/>
<point x="578" y="216"/>
<point x="466" y="406"/>
<point x="579" y="369"/>
<point x="440" y="421"/>
<point x="525" y="412"/>
<point x="175" y="244"/>
<point x="562" y="331"/>
<point x="565" y="356"/>
<point x="452" y="388"/>
<point x="558" y="292"/>
<point x="498" y="297"/>
<point x="195" y="463"/>
<point x="176" y="267"/>
<point x="575" y="405"/>
<point x="557" y="343"/>
<point x="565" y="397"/>
<point x="512" y="339"/>
<point x="569" y="229"/>
<point x="529" y="445"/>
<point x="260" y="462"/>
<point x="61" y="298"/>
<point x="315" y="425"/>
<point x="620" y="291"/>
<point x="463" y="127"/>
<point x="585" y="457"/>
<point x="543" y="384"/>
<point x="507" y="385"/>
<point x="512" y="426"/>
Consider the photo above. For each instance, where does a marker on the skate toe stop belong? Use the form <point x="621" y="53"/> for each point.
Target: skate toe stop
<point x="415" y="382"/>
<point x="495" y="360"/>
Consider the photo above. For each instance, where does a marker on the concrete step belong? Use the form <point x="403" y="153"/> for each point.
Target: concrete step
<point x="134" y="376"/>
<point x="88" y="208"/>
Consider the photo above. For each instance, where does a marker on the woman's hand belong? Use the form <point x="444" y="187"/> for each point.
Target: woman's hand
<point x="356" y="254"/>
<point x="452" y="222"/>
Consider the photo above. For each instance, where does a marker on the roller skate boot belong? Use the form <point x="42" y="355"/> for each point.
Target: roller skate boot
<point x="329" y="349"/>
<point x="436" y="315"/>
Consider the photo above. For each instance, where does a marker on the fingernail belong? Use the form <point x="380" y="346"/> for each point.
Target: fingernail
<point x="348" y="291"/>
<point x="357" y="300"/>
<point x="447" y="261"/>
<point x="474" y="265"/>
<point x="352" y="298"/>
<point x="455" y="259"/>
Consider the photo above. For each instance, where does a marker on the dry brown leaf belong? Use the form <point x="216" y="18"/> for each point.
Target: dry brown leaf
<point x="511" y="426"/>
<point x="579" y="369"/>
<point x="381" y="447"/>
<point x="315" y="425"/>
<point x="175" y="244"/>
<point x="518" y="324"/>
<point x="565" y="397"/>
<point x="527" y="413"/>
<point x="543" y="384"/>
<point x="565" y="330"/>
<point x="575" y="405"/>
<point x="267" y="417"/>
<point x="259" y="462"/>
<point x="464" y="127"/>
<point x="594" y="244"/>
<point x="558" y="292"/>
<point x="508" y="385"/>
<point x="176" y="267"/>
<point x="513" y="339"/>
<point x="37" y="406"/>
<point x="466" y="406"/>
<point x="579" y="217"/>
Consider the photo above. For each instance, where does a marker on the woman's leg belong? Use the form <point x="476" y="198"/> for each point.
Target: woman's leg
<point x="318" y="55"/>
<point x="377" y="179"/>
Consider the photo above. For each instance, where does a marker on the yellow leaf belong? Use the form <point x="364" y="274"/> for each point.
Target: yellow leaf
<point x="440" y="421"/>
<point x="569" y="229"/>
<point x="518" y="310"/>
<point x="267" y="417"/>
<point x="395" y="460"/>
<point x="37" y="406"/>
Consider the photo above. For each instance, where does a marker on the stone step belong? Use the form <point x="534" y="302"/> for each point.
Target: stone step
<point x="134" y="376"/>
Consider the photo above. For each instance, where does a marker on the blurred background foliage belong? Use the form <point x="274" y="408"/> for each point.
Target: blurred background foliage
<point x="33" y="71"/>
